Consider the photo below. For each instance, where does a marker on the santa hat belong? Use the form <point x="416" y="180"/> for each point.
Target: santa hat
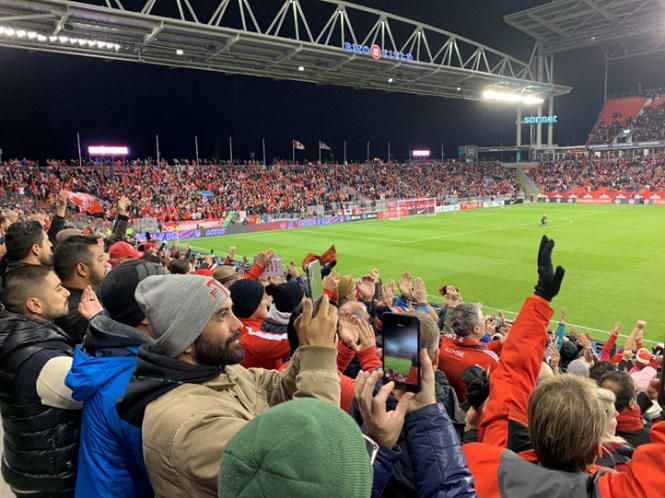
<point x="643" y="356"/>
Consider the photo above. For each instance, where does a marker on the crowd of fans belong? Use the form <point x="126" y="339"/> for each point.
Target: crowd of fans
<point x="174" y="192"/>
<point x="605" y="134"/>
<point x="626" y="174"/>
<point x="649" y="125"/>
<point x="137" y="371"/>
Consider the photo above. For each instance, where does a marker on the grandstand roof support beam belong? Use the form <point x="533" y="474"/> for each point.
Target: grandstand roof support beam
<point x="61" y="23"/>
<point x="547" y="24"/>
<point x="150" y="37"/>
<point x="29" y="17"/>
<point x="215" y="40"/>
<point x="602" y="12"/>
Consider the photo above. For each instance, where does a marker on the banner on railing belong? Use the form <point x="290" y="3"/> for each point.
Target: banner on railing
<point x="199" y="230"/>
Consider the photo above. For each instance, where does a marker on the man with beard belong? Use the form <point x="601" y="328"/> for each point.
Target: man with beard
<point x="191" y="395"/>
<point x="40" y="419"/>
<point x="79" y="261"/>
<point x="27" y="244"/>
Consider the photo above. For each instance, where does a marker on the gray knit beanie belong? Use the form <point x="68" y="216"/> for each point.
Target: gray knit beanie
<point x="178" y="307"/>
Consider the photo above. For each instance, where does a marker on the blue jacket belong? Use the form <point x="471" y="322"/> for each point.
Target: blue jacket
<point x="111" y="450"/>
<point x="438" y="461"/>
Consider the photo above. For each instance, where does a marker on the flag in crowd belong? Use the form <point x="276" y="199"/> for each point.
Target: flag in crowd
<point x="324" y="146"/>
<point x="298" y="145"/>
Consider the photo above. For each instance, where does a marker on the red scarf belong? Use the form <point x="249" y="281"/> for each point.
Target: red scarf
<point x="630" y="420"/>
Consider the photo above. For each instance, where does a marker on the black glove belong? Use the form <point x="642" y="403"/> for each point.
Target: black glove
<point x="549" y="282"/>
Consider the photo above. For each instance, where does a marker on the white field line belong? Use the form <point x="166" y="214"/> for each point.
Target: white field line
<point x="534" y="225"/>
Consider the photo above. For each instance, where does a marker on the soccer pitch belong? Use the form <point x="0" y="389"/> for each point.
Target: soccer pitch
<point x="398" y="365"/>
<point x="614" y="257"/>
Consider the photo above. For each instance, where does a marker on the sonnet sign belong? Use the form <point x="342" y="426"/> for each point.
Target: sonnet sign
<point x="376" y="52"/>
<point x="540" y="119"/>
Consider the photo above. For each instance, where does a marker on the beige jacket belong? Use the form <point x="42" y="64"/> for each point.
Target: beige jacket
<point x="186" y="430"/>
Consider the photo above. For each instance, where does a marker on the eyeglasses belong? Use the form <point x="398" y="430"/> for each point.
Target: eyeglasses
<point x="372" y="448"/>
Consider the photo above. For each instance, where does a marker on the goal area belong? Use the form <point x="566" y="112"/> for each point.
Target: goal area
<point x="397" y="209"/>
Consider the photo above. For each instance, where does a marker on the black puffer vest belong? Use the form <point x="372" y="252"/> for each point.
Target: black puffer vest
<point x="40" y="442"/>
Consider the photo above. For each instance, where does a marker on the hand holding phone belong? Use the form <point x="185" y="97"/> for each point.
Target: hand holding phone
<point x="401" y="349"/>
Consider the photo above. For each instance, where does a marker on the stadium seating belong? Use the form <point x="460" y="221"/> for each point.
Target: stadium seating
<point x="629" y="175"/>
<point x="175" y="192"/>
<point x="617" y="114"/>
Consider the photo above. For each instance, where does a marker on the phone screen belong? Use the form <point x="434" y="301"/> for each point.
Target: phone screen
<point x="315" y="280"/>
<point x="401" y="344"/>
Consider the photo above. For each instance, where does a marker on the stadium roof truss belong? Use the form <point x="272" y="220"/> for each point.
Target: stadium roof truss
<point x="621" y="28"/>
<point x="326" y="42"/>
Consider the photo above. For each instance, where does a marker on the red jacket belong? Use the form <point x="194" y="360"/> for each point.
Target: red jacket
<point x="254" y="272"/>
<point x="514" y="379"/>
<point x="496" y="468"/>
<point x="262" y="349"/>
<point x="458" y="353"/>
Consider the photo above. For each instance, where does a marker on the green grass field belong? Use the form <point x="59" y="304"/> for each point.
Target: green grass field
<point x="614" y="257"/>
<point x="398" y="365"/>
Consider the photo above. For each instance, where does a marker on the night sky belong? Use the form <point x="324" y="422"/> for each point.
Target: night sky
<point x="46" y="98"/>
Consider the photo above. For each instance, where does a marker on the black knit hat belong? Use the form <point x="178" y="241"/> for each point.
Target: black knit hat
<point x="569" y="352"/>
<point x="287" y="296"/>
<point x="118" y="287"/>
<point x="477" y="385"/>
<point x="247" y="295"/>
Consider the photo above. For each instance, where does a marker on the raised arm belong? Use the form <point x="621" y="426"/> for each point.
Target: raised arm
<point x="633" y="337"/>
<point x="515" y="378"/>
<point x="312" y="372"/>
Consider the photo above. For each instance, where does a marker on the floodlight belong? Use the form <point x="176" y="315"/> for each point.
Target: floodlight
<point x="92" y="43"/>
<point x="511" y="97"/>
<point x="301" y="68"/>
<point x="459" y="88"/>
<point x="63" y="39"/>
<point x="32" y="35"/>
<point x="41" y="38"/>
<point x="53" y="38"/>
<point x="21" y="33"/>
<point x="116" y="46"/>
<point x="3" y="30"/>
<point x="390" y="80"/>
<point x="109" y="45"/>
<point x="10" y="32"/>
<point x="179" y="52"/>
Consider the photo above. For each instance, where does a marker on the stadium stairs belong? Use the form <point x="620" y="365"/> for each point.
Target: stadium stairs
<point x="531" y="190"/>
<point x="648" y="103"/>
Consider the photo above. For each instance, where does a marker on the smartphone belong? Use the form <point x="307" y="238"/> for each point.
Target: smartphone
<point x="401" y="345"/>
<point x="314" y="279"/>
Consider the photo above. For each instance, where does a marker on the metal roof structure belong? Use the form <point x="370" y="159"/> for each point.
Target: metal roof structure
<point x="325" y="42"/>
<point x="621" y="28"/>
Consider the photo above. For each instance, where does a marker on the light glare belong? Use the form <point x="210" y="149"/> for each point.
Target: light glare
<point x="512" y="97"/>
